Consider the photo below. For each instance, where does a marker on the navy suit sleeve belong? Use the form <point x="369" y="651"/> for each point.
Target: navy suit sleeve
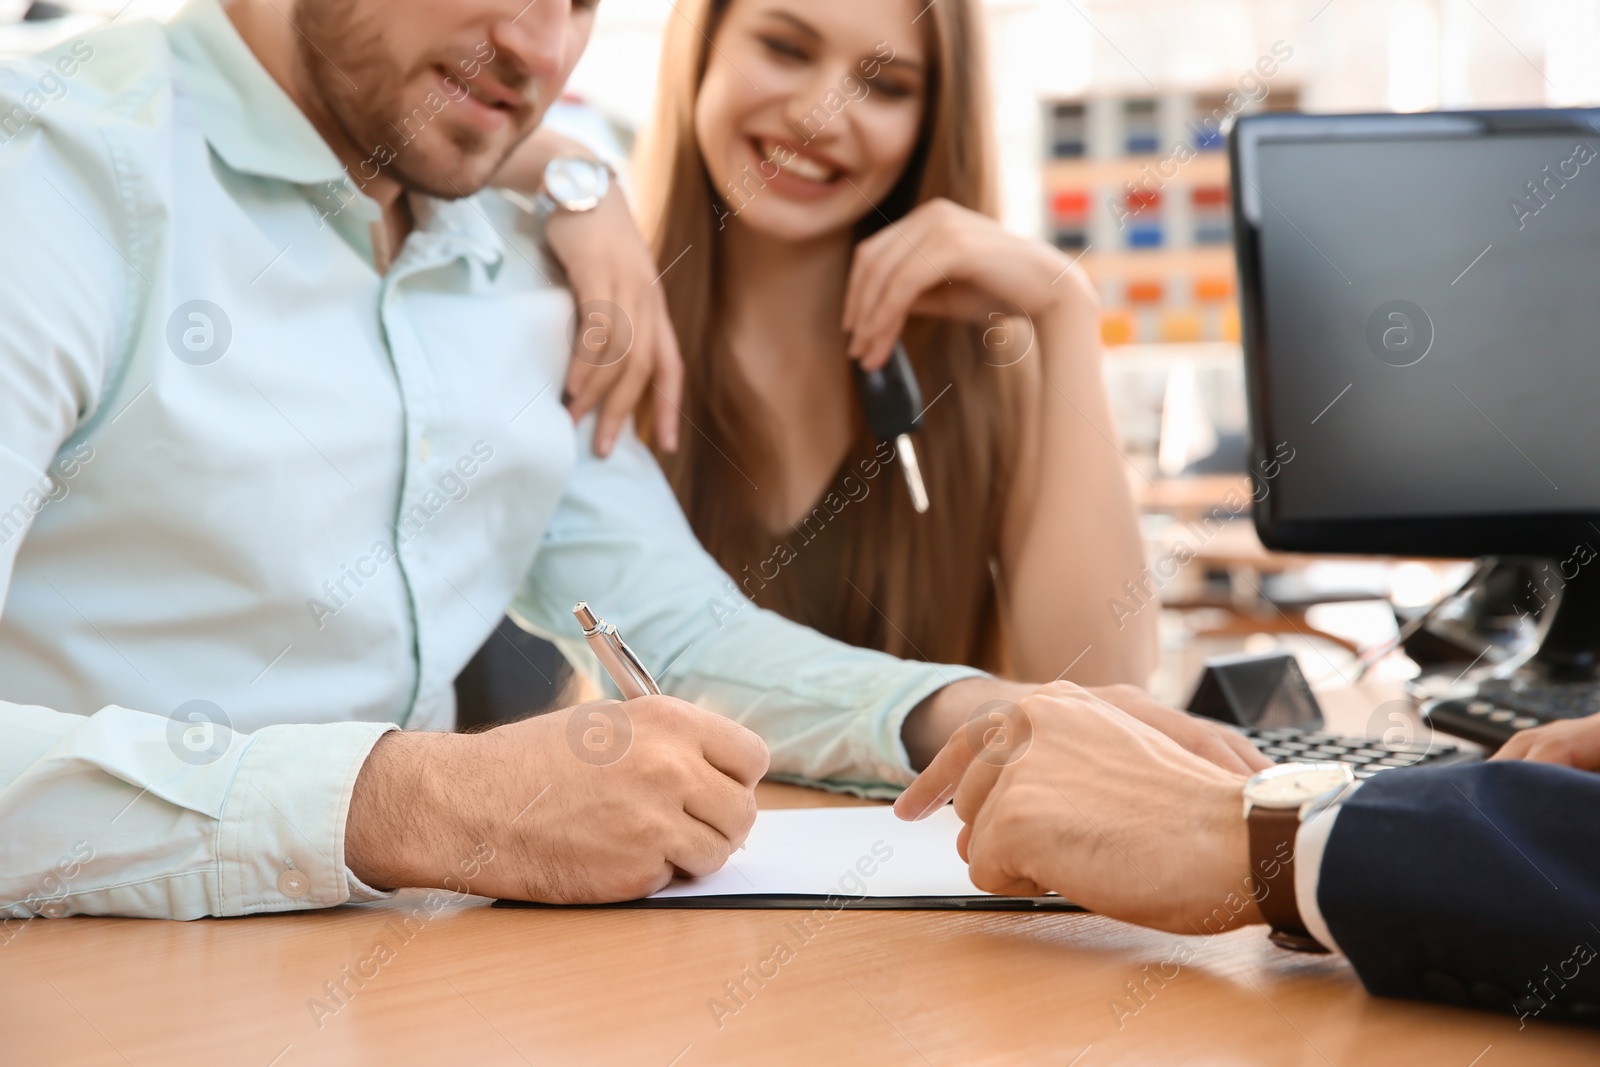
<point x="1476" y="885"/>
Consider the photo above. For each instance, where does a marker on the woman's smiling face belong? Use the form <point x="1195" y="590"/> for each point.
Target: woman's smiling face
<point x="809" y="113"/>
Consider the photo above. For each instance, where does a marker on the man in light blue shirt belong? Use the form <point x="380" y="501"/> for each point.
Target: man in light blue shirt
<point x="281" y="439"/>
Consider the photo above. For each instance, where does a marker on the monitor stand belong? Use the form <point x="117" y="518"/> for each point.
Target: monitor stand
<point x="1568" y="644"/>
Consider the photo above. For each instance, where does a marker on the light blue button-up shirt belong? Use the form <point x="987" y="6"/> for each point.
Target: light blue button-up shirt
<point x="244" y="472"/>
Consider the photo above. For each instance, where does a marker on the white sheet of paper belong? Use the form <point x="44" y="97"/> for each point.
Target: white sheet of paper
<point x="859" y="851"/>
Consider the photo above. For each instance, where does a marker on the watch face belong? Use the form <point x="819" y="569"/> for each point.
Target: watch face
<point x="575" y="184"/>
<point x="1292" y="784"/>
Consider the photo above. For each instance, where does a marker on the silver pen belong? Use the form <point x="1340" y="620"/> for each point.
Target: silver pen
<point x="627" y="673"/>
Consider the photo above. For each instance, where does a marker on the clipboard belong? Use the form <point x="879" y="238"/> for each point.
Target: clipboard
<point x="838" y="859"/>
<point x="811" y="902"/>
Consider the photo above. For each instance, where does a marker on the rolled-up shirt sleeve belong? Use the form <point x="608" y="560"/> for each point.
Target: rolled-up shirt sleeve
<point x="117" y="813"/>
<point x="831" y="713"/>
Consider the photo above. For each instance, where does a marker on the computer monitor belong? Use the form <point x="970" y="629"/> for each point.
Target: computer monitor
<point x="1421" y="320"/>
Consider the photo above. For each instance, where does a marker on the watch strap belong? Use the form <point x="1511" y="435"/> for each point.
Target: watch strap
<point x="544" y="206"/>
<point x="1272" y="833"/>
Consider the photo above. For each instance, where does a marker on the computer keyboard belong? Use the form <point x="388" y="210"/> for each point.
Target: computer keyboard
<point x="1545" y="700"/>
<point x="1367" y="756"/>
<point x="1502" y="706"/>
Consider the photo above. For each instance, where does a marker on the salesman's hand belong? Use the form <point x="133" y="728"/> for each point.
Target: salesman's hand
<point x="1101" y="808"/>
<point x="966" y="704"/>
<point x="602" y="802"/>
<point x="1222" y="745"/>
<point x="1571" y="743"/>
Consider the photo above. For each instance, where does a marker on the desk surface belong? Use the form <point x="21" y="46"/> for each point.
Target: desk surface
<point x="475" y="985"/>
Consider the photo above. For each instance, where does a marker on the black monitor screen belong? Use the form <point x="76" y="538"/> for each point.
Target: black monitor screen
<point x="1423" y="327"/>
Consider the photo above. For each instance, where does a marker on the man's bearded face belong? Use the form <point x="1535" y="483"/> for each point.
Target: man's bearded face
<point x="433" y="93"/>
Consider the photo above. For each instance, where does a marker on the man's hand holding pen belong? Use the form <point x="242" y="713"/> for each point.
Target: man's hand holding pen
<point x="597" y="803"/>
<point x="602" y="802"/>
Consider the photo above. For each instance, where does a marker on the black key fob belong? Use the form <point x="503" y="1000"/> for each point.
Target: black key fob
<point x="890" y="396"/>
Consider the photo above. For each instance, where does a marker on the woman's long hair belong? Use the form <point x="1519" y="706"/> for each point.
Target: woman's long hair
<point x="924" y="585"/>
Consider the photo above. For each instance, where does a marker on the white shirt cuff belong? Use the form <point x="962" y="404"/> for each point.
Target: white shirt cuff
<point x="1309" y="844"/>
<point x="286" y="812"/>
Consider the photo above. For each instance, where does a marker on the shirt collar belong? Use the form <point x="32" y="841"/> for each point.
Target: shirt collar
<point x="247" y="117"/>
<point x="463" y="224"/>
<point x="254" y="126"/>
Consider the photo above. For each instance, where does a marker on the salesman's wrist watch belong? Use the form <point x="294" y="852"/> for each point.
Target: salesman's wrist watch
<point x="572" y="185"/>
<point x="1276" y="802"/>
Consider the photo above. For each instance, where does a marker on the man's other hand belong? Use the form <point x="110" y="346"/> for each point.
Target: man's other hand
<point x="601" y="802"/>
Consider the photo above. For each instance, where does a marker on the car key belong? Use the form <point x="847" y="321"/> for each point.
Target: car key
<point x="892" y="400"/>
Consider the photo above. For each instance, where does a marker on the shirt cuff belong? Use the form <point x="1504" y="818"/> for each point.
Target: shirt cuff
<point x="1310" y="842"/>
<point x="888" y="732"/>
<point x="281" y="835"/>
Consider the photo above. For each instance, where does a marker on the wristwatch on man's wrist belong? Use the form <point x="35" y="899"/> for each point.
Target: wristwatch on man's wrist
<point x="1276" y="802"/>
<point x="572" y="185"/>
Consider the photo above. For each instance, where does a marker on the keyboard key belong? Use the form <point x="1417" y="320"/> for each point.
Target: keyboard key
<point x="1479" y="707"/>
<point x="1523" y="722"/>
<point x="1364" y="755"/>
<point x="1545" y="700"/>
<point x="1502" y="715"/>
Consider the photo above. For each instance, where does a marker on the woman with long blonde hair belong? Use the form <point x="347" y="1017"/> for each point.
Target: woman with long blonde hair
<point x="819" y="183"/>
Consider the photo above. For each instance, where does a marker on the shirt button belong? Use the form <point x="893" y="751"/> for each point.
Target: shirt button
<point x="293" y="884"/>
<point x="425" y="449"/>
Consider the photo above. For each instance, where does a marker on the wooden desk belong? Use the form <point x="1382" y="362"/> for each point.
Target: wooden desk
<point x="483" y="986"/>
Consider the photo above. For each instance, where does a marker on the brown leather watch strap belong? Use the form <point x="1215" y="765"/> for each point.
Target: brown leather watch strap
<point x="1272" y="841"/>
